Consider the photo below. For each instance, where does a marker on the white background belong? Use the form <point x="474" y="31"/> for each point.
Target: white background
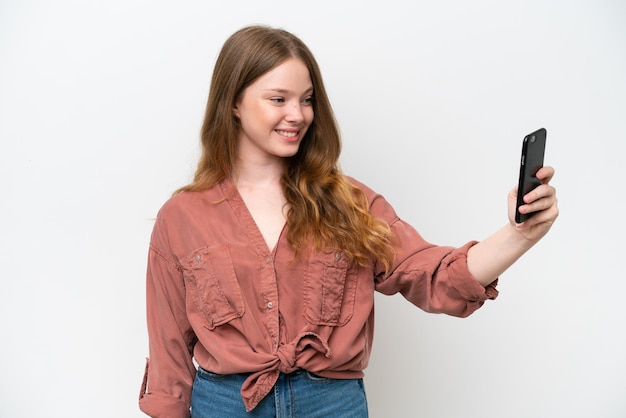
<point x="100" y="108"/>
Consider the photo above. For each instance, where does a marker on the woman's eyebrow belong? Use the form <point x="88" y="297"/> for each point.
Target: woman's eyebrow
<point x="285" y="91"/>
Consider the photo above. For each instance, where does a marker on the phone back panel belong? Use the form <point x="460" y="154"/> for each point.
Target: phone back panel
<point x="533" y="149"/>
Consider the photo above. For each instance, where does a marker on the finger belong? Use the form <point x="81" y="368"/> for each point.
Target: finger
<point x="539" y="205"/>
<point x="545" y="174"/>
<point x="546" y="216"/>
<point x="543" y="191"/>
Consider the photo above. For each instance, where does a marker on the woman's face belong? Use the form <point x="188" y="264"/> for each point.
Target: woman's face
<point x="275" y="112"/>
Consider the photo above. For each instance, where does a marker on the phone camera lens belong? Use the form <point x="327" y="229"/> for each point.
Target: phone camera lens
<point x="532" y="138"/>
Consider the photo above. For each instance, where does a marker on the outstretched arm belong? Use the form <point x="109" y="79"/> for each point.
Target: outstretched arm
<point x="491" y="257"/>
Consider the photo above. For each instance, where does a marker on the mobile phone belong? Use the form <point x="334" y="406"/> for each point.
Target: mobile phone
<point x="533" y="150"/>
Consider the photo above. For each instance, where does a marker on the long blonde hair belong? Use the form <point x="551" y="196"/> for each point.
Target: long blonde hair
<point x="325" y="209"/>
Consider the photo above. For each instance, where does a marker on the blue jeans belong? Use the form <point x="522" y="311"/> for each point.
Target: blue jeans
<point x="299" y="394"/>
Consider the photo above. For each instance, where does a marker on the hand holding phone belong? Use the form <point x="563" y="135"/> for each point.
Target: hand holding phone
<point x="533" y="149"/>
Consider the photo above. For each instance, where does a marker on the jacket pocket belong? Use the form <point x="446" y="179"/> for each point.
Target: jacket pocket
<point x="212" y="287"/>
<point x="329" y="290"/>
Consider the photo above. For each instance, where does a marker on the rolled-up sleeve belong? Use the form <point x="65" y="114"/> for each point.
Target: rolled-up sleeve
<point x="169" y="374"/>
<point x="434" y="278"/>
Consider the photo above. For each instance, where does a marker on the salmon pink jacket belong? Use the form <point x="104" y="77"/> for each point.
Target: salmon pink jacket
<point x="219" y="297"/>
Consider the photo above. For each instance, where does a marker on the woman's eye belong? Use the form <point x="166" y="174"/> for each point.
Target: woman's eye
<point x="308" y="100"/>
<point x="277" y="100"/>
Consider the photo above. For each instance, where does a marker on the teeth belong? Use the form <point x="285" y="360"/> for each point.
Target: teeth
<point x="287" y="134"/>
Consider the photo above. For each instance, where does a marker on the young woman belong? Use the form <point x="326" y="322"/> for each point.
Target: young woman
<point x="262" y="271"/>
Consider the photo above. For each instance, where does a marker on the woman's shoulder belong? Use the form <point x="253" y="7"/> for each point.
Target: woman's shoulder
<point x="187" y="202"/>
<point x="362" y="186"/>
<point x="378" y="204"/>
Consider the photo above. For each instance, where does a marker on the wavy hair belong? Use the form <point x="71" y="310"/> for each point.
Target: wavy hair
<point x="325" y="209"/>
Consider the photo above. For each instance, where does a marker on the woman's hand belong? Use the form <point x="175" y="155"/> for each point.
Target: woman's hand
<point x="542" y="201"/>
<point x="492" y="256"/>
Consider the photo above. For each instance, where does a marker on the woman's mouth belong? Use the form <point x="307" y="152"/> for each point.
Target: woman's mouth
<point x="288" y="134"/>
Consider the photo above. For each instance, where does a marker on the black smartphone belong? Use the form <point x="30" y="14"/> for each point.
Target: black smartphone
<point x="533" y="149"/>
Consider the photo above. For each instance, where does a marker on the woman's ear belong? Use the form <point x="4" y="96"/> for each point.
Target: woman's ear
<point x="236" y="111"/>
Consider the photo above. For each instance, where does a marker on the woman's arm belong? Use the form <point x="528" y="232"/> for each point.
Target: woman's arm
<point x="491" y="257"/>
<point x="166" y="388"/>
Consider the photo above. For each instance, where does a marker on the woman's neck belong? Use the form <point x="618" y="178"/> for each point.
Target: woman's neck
<point x="251" y="174"/>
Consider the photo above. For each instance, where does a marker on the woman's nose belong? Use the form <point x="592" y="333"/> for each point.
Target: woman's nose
<point x="295" y="113"/>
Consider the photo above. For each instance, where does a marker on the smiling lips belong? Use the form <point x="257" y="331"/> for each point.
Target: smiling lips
<point x="287" y="134"/>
